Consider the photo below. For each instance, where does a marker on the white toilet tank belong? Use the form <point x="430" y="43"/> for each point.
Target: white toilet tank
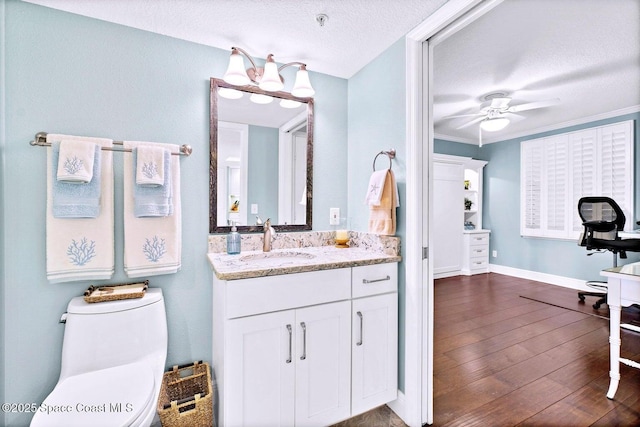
<point x="107" y="334"/>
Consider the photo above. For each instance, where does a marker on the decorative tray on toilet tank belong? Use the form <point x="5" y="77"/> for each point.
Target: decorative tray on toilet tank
<point x="116" y="292"/>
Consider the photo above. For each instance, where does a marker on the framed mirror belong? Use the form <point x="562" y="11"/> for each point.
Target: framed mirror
<point x="261" y="159"/>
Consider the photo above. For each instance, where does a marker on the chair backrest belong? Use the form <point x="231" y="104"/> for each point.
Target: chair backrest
<point x="602" y="216"/>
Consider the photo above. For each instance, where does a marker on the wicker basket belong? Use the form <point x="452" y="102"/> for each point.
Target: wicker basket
<point x="186" y="399"/>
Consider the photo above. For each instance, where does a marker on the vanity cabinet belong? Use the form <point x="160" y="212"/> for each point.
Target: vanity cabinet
<point x="305" y="349"/>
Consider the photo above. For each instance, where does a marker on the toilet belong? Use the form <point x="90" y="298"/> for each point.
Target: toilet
<point x="113" y="360"/>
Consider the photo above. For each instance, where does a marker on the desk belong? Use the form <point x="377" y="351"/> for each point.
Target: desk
<point x="623" y="290"/>
<point x="633" y="234"/>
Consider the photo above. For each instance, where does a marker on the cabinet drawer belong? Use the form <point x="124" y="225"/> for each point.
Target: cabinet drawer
<point x="374" y="279"/>
<point x="272" y="293"/>
<point x="480" y="264"/>
<point x="479" y="239"/>
<point x="481" y="251"/>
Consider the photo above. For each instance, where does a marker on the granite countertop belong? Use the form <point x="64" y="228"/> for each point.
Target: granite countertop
<point x="250" y="264"/>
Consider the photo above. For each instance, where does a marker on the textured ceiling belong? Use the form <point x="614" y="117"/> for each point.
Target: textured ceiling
<point x="356" y="32"/>
<point x="584" y="52"/>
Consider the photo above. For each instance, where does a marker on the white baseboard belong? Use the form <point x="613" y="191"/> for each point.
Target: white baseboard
<point x="567" y="282"/>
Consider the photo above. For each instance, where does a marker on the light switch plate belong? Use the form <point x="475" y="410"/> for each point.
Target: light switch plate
<point x="254" y="208"/>
<point x="334" y="216"/>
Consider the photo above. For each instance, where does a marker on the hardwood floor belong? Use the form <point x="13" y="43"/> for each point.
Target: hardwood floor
<point x="504" y="360"/>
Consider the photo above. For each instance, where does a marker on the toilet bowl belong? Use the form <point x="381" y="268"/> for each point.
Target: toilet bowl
<point x="113" y="359"/>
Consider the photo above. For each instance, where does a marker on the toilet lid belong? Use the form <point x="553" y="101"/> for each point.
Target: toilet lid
<point x="109" y="397"/>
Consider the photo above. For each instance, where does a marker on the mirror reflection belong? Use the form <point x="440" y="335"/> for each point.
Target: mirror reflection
<point x="261" y="159"/>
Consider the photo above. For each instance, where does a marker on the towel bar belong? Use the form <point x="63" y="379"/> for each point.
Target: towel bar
<point x="41" y="141"/>
<point x="391" y="153"/>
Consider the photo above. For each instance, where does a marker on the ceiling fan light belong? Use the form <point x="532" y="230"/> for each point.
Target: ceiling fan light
<point x="493" y="125"/>
<point x="236" y="73"/>
<point x="302" y="86"/>
<point x="270" y="80"/>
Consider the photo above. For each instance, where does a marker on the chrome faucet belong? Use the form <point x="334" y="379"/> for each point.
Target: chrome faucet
<point x="267" y="235"/>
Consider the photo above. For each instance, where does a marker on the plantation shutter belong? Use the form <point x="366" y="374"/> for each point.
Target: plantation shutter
<point x="583" y="171"/>
<point x="616" y="172"/>
<point x="557" y="171"/>
<point x="556" y="166"/>
<point x="531" y="197"/>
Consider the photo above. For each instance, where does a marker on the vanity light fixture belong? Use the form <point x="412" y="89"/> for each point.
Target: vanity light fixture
<point x="229" y="93"/>
<point x="267" y="78"/>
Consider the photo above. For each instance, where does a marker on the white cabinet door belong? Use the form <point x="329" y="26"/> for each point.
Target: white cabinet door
<point x="323" y="364"/>
<point x="374" y="351"/>
<point x="448" y="217"/>
<point x="260" y="371"/>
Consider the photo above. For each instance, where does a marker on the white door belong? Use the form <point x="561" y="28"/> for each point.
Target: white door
<point x="374" y="352"/>
<point x="323" y="364"/>
<point x="448" y="217"/>
<point x="260" y="371"/>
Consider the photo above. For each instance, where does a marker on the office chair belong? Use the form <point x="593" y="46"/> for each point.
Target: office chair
<point x="602" y="219"/>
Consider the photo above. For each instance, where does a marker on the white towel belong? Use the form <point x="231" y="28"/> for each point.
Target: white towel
<point x="150" y="165"/>
<point x="81" y="248"/>
<point x="152" y="245"/>
<point x="374" y="190"/>
<point x="75" y="163"/>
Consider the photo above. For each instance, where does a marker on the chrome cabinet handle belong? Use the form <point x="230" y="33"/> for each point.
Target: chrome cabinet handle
<point x="376" y="280"/>
<point x="290" y="343"/>
<point x="304" y="341"/>
<point x="361" y="326"/>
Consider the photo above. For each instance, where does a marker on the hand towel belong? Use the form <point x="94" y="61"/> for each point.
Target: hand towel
<point x="76" y="160"/>
<point x="382" y="218"/>
<point x="374" y="190"/>
<point x="81" y="248"/>
<point x="152" y="245"/>
<point x="75" y="199"/>
<point x="150" y="162"/>
<point x="153" y="201"/>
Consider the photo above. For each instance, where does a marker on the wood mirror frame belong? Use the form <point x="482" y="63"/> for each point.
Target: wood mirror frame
<point x="213" y="159"/>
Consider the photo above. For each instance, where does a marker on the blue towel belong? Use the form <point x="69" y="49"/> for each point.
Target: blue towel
<point x="75" y="200"/>
<point x="153" y="201"/>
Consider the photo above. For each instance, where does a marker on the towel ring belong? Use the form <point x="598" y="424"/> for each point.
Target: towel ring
<point x="391" y="154"/>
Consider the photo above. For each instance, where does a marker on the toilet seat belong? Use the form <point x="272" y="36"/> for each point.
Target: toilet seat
<point x="109" y="397"/>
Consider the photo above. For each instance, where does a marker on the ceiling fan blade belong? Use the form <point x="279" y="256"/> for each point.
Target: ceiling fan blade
<point x="533" y="105"/>
<point x="476" y="120"/>
<point x="464" y="115"/>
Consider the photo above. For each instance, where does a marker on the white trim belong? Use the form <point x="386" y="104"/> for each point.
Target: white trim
<point x="416" y="408"/>
<point x="399" y="406"/>
<point x="557" y="126"/>
<point x="567" y="282"/>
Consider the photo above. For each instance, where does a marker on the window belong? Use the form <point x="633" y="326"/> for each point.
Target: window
<point x="557" y="171"/>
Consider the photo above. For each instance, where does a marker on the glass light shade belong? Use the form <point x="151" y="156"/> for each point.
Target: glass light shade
<point x="290" y="103"/>
<point x="236" y="73"/>
<point x="270" y="80"/>
<point x="229" y="93"/>
<point x="258" y="98"/>
<point x="492" y="125"/>
<point x="302" y="86"/>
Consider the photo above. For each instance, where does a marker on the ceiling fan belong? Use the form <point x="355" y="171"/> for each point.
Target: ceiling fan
<point x="495" y="111"/>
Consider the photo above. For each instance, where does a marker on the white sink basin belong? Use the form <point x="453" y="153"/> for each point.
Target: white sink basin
<point x="276" y="258"/>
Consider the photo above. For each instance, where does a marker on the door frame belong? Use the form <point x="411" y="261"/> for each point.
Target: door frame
<point x="416" y="405"/>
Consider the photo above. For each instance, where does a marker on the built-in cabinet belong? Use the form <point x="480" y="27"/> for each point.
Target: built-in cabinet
<point x="305" y="349"/>
<point x="460" y="244"/>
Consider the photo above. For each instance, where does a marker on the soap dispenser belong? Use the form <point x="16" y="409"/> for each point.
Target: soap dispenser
<point x="233" y="241"/>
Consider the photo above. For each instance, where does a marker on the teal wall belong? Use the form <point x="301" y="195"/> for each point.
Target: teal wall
<point x="377" y="122"/>
<point x="502" y="193"/>
<point x="71" y="74"/>
<point x="263" y="172"/>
